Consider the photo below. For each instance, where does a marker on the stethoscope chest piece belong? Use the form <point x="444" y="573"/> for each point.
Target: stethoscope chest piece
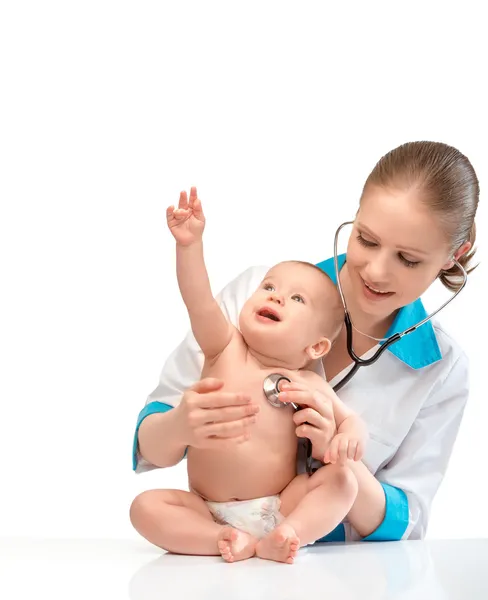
<point x="271" y="389"/>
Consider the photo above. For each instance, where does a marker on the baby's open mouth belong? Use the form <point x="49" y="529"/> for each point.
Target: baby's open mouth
<point x="268" y="314"/>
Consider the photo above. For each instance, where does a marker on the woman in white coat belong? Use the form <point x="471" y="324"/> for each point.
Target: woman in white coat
<point x="416" y="214"/>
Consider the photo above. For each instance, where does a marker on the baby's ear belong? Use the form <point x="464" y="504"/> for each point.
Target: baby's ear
<point x="320" y="349"/>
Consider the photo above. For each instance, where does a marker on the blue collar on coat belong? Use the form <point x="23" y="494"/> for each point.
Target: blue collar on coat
<point x="417" y="349"/>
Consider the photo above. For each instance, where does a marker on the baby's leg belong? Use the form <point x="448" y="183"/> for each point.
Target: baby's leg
<point x="180" y="522"/>
<point x="315" y="505"/>
<point x="312" y="507"/>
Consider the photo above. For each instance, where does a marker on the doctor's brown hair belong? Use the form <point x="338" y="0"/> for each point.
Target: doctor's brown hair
<point x="447" y="184"/>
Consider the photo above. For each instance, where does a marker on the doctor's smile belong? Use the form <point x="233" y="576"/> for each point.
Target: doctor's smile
<point x="374" y="293"/>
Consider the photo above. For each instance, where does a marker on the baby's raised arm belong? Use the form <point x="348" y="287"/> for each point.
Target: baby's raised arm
<point x="210" y="327"/>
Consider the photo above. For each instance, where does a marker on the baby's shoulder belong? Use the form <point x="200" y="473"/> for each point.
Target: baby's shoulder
<point x="234" y="354"/>
<point x="309" y="378"/>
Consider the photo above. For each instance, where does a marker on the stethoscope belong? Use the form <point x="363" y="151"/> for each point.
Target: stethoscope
<point x="272" y="381"/>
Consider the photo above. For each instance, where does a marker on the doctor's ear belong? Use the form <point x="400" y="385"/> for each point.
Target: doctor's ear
<point x="457" y="255"/>
<point x="320" y="349"/>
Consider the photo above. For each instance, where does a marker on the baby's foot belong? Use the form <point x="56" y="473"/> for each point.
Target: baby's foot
<point x="281" y="544"/>
<point x="235" y="544"/>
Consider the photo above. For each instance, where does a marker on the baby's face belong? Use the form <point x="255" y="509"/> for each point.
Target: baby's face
<point x="289" y="311"/>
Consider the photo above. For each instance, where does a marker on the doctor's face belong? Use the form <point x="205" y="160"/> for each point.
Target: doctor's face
<point x="396" y="250"/>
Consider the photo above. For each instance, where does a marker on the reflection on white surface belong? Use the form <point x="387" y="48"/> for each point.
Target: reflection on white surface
<point x="434" y="570"/>
<point x="366" y="571"/>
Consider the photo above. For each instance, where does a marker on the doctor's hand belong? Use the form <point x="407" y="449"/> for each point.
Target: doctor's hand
<point x="315" y="420"/>
<point x="213" y="419"/>
<point x="186" y="222"/>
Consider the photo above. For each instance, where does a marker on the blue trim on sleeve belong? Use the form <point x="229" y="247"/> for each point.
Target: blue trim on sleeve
<point x="396" y="518"/>
<point x="336" y="535"/>
<point x="149" y="409"/>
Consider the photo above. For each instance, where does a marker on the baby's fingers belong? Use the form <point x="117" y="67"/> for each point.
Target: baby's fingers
<point x="181" y="214"/>
<point x="352" y="449"/>
<point x="359" y="451"/>
<point x="197" y="209"/>
<point x="196" y="204"/>
<point x="183" y="203"/>
<point x="332" y="452"/>
<point x="343" y="452"/>
<point x="193" y="196"/>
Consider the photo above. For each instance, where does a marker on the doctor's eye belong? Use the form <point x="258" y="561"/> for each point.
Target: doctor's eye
<point x="408" y="263"/>
<point x="365" y="242"/>
<point x="268" y="287"/>
<point x="298" y="298"/>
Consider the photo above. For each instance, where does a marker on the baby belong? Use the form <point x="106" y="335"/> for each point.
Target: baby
<point x="251" y="488"/>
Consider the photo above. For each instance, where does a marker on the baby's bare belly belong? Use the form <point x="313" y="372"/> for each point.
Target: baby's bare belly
<point x="261" y="466"/>
<point x="248" y="471"/>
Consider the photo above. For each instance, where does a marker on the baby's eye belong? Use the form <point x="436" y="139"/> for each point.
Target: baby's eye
<point x="268" y="287"/>
<point x="298" y="298"/>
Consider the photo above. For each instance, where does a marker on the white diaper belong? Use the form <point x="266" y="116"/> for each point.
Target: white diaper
<point x="257" y="517"/>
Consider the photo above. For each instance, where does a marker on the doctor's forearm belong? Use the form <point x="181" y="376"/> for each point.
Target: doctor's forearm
<point x="160" y="440"/>
<point x="368" y="511"/>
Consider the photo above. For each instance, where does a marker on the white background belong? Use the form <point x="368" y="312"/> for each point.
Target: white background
<point x="277" y="111"/>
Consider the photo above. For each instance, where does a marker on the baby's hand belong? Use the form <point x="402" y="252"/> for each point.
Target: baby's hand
<point x="344" y="447"/>
<point x="186" y="222"/>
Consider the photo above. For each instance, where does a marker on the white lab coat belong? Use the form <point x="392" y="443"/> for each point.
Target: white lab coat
<point x="412" y="400"/>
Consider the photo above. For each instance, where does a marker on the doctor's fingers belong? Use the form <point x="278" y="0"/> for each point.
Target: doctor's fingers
<point x="306" y="397"/>
<point x="225" y="414"/>
<point x="213" y="400"/>
<point x="228" y="429"/>
<point x="314" y="434"/>
<point x="312" y="417"/>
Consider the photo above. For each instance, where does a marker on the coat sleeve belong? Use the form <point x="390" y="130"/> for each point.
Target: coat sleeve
<point x="413" y="476"/>
<point x="184" y="365"/>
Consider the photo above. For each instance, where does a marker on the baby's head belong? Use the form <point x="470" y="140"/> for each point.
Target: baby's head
<point x="294" y="316"/>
